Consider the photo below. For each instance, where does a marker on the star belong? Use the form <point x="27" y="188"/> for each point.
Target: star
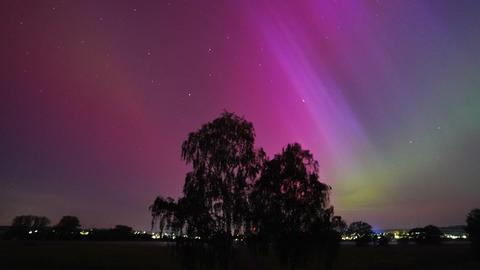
<point x="303" y="100"/>
<point x="411" y="141"/>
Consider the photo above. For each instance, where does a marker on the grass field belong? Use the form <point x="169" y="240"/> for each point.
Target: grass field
<point x="154" y="255"/>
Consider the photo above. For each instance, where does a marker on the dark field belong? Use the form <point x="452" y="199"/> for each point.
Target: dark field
<point x="154" y="255"/>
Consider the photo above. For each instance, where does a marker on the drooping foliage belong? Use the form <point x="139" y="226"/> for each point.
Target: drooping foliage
<point x="225" y="164"/>
<point x="290" y="206"/>
<point x="234" y="190"/>
<point x="163" y="213"/>
<point x="289" y="198"/>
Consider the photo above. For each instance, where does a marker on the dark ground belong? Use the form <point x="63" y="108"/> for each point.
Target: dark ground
<point x="154" y="255"/>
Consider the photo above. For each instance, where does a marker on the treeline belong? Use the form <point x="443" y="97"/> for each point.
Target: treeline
<point x="362" y="234"/>
<point x="29" y="227"/>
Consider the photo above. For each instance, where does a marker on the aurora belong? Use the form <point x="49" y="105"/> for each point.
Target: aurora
<point x="96" y="98"/>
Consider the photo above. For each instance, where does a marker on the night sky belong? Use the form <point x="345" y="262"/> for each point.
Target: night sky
<point x="96" y="98"/>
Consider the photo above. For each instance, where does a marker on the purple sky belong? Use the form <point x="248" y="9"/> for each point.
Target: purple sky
<point x="96" y="98"/>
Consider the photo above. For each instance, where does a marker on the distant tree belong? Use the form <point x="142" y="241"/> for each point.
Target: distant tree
<point x="417" y="235"/>
<point x="29" y="221"/>
<point x="123" y="228"/>
<point x="433" y="234"/>
<point x="290" y="204"/>
<point x="122" y="232"/>
<point x="68" y="223"/>
<point x="40" y="222"/>
<point x="30" y="226"/>
<point x="361" y="231"/>
<point x="68" y="228"/>
<point x="225" y="163"/>
<point x="429" y="234"/>
<point x="473" y="229"/>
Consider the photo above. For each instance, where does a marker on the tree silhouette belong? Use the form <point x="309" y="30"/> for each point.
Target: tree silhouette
<point x="433" y="234"/>
<point x="225" y="163"/>
<point x="31" y="222"/>
<point x="68" y="227"/>
<point x="361" y="231"/>
<point x="122" y="232"/>
<point x="28" y="226"/>
<point x="429" y="234"/>
<point x="417" y="235"/>
<point x="290" y="203"/>
<point x="473" y="229"/>
<point x="215" y="203"/>
<point x="163" y="213"/>
<point x="68" y="223"/>
<point x="194" y="209"/>
<point x="233" y="189"/>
